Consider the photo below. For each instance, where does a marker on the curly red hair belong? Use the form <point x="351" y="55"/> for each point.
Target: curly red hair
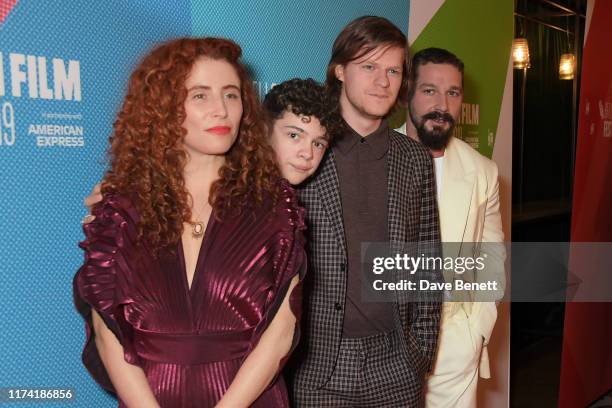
<point x="146" y="151"/>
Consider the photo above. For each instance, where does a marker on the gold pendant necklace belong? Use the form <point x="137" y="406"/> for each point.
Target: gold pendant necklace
<point x="197" y="228"/>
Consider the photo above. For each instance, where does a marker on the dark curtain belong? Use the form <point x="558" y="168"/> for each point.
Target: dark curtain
<point x="547" y="149"/>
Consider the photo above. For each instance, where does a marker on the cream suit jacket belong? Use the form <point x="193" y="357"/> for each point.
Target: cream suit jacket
<point x="469" y="214"/>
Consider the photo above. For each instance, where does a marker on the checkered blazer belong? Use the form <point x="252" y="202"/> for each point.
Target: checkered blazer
<point x="413" y="218"/>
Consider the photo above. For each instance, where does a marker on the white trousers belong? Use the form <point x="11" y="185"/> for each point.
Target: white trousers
<point x="454" y="379"/>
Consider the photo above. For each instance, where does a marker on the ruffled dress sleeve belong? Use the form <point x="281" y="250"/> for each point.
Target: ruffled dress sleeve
<point x="289" y="261"/>
<point x="103" y="282"/>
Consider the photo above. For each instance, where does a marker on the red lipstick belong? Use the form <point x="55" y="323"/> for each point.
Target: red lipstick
<point x="219" y="130"/>
<point x="300" y="168"/>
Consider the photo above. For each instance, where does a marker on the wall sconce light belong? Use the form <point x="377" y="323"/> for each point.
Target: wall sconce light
<point x="567" y="65"/>
<point x="520" y="53"/>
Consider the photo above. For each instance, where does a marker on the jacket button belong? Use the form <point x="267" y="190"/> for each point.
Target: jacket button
<point x="342" y="267"/>
<point x="337" y="306"/>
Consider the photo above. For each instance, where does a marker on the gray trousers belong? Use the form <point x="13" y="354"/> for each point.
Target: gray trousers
<point x="370" y="372"/>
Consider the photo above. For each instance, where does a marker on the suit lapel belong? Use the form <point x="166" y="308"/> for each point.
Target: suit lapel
<point x="328" y="186"/>
<point x="456" y="197"/>
<point x="399" y="180"/>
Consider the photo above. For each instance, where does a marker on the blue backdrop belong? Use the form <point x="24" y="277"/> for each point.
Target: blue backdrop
<point x="63" y="69"/>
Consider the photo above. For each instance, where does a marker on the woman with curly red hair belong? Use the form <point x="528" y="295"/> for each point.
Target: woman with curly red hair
<point x="197" y="246"/>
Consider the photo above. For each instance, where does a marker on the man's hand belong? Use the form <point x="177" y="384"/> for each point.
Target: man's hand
<point x="93" y="198"/>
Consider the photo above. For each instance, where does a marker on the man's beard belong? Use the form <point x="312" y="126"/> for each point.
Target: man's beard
<point x="437" y="138"/>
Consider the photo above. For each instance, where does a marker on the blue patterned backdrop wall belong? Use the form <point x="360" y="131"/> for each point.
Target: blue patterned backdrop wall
<point x="63" y="69"/>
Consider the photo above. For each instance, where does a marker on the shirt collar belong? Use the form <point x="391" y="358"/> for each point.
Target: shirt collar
<point x="377" y="140"/>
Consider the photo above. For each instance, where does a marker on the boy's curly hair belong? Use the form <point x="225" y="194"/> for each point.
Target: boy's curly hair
<point x="304" y="97"/>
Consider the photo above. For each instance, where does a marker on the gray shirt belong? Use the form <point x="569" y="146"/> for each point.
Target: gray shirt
<point x="361" y="163"/>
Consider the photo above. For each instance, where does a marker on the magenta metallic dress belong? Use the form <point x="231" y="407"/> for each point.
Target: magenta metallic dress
<point x="190" y="342"/>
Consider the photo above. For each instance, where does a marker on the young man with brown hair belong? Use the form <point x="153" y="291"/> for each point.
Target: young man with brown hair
<point x="374" y="185"/>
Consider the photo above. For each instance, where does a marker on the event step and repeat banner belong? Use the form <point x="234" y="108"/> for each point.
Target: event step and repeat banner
<point x="64" y="66"/>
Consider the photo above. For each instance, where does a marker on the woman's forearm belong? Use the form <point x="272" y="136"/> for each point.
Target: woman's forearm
<point x="129" y="380"/>
<point x="262" y="364"/>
